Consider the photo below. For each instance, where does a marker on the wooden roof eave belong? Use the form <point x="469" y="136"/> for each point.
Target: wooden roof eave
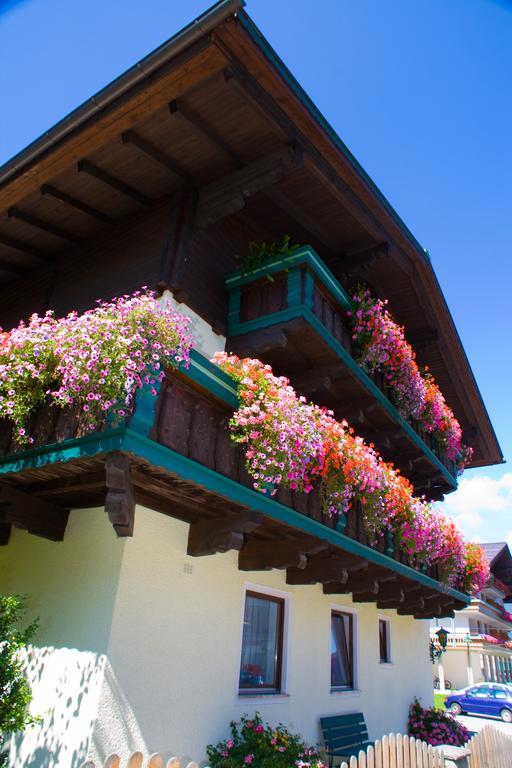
<point x="240" y="40"/>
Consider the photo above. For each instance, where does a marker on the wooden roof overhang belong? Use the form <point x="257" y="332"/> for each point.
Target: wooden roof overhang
<point x="214" y="122"/>
<point x="174" y="455"/>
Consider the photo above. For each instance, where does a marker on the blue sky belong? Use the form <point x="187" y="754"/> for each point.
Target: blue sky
<point x="420" y="93"/>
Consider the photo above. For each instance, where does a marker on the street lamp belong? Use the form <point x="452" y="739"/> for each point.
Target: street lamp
<point x="442" y="641"/>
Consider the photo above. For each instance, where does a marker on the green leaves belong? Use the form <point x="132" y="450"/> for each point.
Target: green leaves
<point x="15" y="692"/>
<point x="262" y="254"/>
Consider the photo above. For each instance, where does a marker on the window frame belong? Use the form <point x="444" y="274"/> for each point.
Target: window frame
<point x="345" y="611"/>
<point x="282" y="599"/>
<point x="389" y="657"/>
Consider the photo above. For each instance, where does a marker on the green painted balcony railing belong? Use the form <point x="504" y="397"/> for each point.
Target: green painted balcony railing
<point x="301" y="287"/>
<point x="185" y="431"/>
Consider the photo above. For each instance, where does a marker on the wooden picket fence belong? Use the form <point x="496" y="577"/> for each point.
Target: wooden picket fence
<point x="137" y="760"/>
<point x="490" y="749"/>
<point x="397" y="751"/>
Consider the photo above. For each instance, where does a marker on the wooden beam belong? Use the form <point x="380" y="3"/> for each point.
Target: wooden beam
<point x="363" y="260"/>
<point x="192" y="121"/>
<point x="390" y="600"/>
<point x="174" y="258"/>
<point x="258" y="342"/>
<point x="37" y="516"/>
<point x="120" y="498"/>
<point x="12" y="269"/>
<point x="228" y="195"/>
<point x="423" y="339"/>
<point x="258" y="555"/>
<point x="234" y="78"/>
<point x="324" y="568"/>
<point x="156" y="154"/>
<point x="302" y="218"/>
<point x="47" y="190"/>
<point x="44" y="226"/>
<point x="19" y="245"/>
<point x="321" y="377"/>
<point x="85" y="166"/>
<point x="206" y="537"/>
<point x="411" y="604"/>
<point x="336" y="587"/>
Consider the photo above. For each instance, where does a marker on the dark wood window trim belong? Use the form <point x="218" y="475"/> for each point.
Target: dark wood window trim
<point x="384" y="641"/>
<point x="275" y="686"/>
<point x="351" y="659"/>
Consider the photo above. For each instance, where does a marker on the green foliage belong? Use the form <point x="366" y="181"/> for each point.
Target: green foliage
<point x="15" y="692"/>
<point x="258" y="744"/>
<point x="260" y="255"/>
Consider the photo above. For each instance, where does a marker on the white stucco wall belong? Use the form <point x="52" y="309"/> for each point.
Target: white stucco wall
<point x="206" y="340"/>
<point x="166" y="665"/>
<point x="71" y="587"/>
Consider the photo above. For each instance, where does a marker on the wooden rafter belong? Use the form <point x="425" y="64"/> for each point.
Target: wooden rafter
<point x="35" y="515"/>
<point x="258" y="555"/>
<point x="156" y="154"/>
<point x="44" y="226"/>
<point x="47" y="190"/>
<point x="206" y="537"/>
<point x="323" y="568"/>
<point x="228" y="194"/>
<point x="120" y="498"/>
<point x="181" y="112"/>
<point x="85" y="166"/>
<point x="20" y="245"/>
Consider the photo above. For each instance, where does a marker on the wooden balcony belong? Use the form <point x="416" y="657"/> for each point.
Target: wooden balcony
<point x="174" y="454"/>
<point x="293" y="316"/>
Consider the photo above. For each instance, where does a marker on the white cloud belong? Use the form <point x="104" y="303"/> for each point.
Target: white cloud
<point x="482" y="504"/>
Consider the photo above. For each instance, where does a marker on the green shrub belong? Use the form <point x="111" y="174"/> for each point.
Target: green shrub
<point x="256" y="743"/>
<point x="15" y="692"/>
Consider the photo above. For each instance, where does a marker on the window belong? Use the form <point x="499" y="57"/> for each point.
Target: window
<point x="384" y="642"/>
<point x="342" y="650"/>
<point x="262" y="643"/>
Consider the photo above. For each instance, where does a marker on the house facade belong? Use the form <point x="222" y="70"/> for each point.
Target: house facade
<point x="173" y="595"/>
<point x="479" y="644"/>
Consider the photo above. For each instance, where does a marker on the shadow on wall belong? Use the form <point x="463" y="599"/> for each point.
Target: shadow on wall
<point x="66" y="684"/>
<point x="116" y="728"/>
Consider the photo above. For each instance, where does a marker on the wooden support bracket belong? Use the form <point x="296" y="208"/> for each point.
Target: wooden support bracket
<point x="120" y="498"/>
<point x="323" y="568"/>
<point x="206" y="537"/>
<point x="32" y="514"/>
<point x="257" y="555"/>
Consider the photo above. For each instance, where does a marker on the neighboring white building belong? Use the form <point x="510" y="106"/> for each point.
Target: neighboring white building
<point x="479" y="644"/>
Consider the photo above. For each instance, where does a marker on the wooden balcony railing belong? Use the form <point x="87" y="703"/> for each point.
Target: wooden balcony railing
<point x="292" y="314"/>
<point x="174" y="454"/>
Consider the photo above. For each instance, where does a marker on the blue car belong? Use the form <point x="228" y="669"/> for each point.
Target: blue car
<point x="488" y="699"/>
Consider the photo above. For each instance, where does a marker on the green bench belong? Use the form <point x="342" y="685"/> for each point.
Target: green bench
<point x="344" y="735"/>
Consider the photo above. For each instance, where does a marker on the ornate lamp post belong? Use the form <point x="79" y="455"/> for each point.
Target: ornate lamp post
<point x="437" y="650"/>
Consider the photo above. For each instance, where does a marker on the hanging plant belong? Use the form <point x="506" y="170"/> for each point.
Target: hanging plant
<point x="95" y="361"/>
<point x="381" y="346"/>
<point x="292" y="443"/>
<point x="260" y="255"/>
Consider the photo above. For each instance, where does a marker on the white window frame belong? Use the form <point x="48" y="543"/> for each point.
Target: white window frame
<point x="272" y="696"/>
<point x="341" y="608"/>
<point x="387" y="619"/>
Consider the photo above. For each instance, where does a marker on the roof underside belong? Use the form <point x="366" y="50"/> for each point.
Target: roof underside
<point x="213" y="101"/>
